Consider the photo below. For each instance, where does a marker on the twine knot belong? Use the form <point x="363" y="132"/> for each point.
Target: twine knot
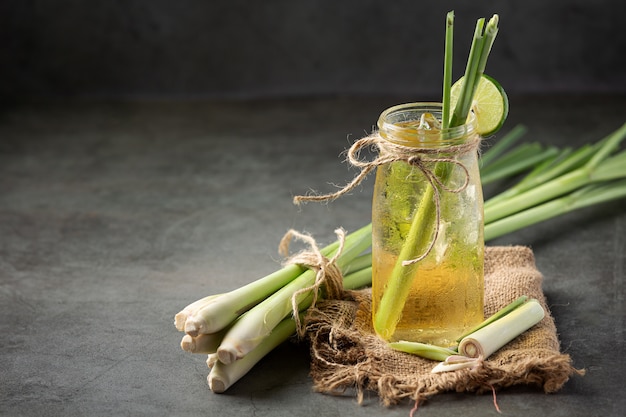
<point x="327" y="272"/>
<point x="421" y="158"/>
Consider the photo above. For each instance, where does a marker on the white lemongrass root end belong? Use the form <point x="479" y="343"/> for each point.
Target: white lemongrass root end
<point x="202" y="343"/>
<point x="179" y="320"/>
<point x="211" y="359"/>
<point x="188" y="344"/>
<point x="192" y="326"/>
<point x="227" y="355"/>
<point x="217" y="384"/>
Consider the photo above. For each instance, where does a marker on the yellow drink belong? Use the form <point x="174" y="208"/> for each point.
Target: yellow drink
<point x="445" y="299"/>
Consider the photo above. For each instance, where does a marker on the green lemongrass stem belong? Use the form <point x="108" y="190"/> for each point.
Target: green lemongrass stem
<point x="492" y="337"/>
<point x="258" y="322"/>
<point x="476" y="63"/>
<point x="220" y="311"/>
<point x="498" y="148"/>
<point x="567" y="161"/>
<point x="518" y="166"/>
<point x="423" y="350"/>
<point x="464" y="103"/>
<point x="592" y="171"/>
<point x="447" y="70"/>
<point x="497" y="315"/>
<point x="223" y="375"/>
<point x="584" y="197"/>
<point x="398" y="287"/>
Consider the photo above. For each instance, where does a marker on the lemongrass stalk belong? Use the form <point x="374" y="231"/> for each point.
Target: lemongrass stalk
<point x="598" y="168"/>
<point x="464" y="103"/>
<point x="566" y="162"/>
<point x="492" y="337"/>
<point x="220" y="311"/>
<point x="203" y="343"/>
<point x="508" y="170"/>
<point x="398" y="287"/>
<point x="447" y="70"/>
<point x="584" y="197"/>
<point x="476" y="63"/>
<point x="252" y="328"/>
<point x="424" y="350"/>
<point x="497" y="315"/>
<point x="498" y="148"/>
<point x="190" y="310"/>
<point x="222" y="376"/>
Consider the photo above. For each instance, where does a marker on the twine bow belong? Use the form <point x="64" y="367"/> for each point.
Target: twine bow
<point x="327" y="271"/>
<point x="417" y="157"/>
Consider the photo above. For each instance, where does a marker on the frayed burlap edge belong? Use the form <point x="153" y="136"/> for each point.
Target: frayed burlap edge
<point x="346" y="355"/>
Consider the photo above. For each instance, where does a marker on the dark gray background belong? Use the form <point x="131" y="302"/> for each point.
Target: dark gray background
<point x="150" y="183"/>
<point x="278" y="48"/>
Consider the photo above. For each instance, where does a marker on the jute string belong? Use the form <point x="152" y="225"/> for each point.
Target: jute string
<point x="327" y="271"/>
<point x="421" y="158"/>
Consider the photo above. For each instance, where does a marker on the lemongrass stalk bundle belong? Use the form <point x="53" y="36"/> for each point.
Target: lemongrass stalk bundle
<point x="250" y="330"/>
<point x="223" y="375"/>
<point x="487" y="340"/>
<point x="599" y="168"/>
<point x="584" y="197"/>
<point x="219" y="311"/>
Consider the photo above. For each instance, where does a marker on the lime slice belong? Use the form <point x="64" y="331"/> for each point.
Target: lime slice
<point x="490" y="105"/>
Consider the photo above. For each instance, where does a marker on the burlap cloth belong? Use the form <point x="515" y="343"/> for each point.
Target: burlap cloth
<point x="346" y="355"/>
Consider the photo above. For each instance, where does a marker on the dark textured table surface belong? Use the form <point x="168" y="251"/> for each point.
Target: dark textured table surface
<point x="114" y="216"/>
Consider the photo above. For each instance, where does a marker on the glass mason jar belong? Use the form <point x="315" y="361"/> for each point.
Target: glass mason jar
<point x="427" y="236"/>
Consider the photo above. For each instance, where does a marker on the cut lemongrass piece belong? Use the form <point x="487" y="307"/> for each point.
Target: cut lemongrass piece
<point x="424" y="350"/>
<point x="456" y="362"/>
<point x="498" y="315"/>
<point x="487" y="340"/>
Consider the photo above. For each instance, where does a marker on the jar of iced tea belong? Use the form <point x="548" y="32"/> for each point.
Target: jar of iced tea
<point x="427" y="236"/>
